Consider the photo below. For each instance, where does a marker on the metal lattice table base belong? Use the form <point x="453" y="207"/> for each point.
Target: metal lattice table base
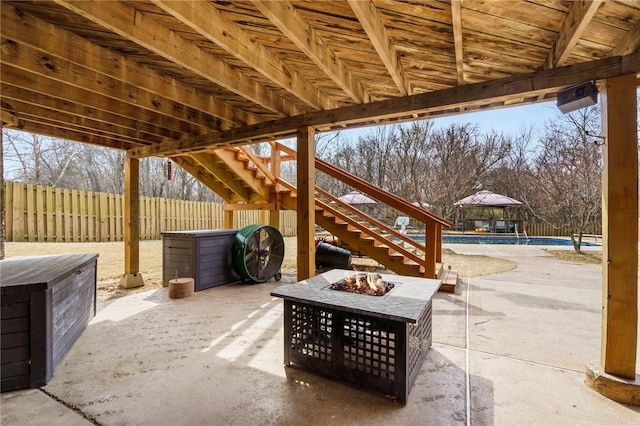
<point x="375" y="353"/>
<point x="375" y="342"/>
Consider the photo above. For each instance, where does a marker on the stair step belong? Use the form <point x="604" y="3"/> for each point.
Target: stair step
<point x="336" y="219"/>
<point x="449" y="281"/>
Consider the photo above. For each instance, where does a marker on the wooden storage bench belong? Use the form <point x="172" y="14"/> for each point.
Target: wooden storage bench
<point x="202" y="255"/>
<point x="46" y="303"/>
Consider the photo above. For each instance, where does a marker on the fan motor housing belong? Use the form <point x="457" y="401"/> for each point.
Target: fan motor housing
<point x="257" y="253"/>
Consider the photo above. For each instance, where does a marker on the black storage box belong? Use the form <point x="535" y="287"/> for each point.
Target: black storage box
<point x="47" y="301"/>
<point x="202" y="255"/>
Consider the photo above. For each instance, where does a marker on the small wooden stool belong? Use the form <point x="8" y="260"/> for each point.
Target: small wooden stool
<point x="180" y="288"/>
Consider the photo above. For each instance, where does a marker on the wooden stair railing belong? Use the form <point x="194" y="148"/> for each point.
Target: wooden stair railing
<point x="362" y="185"/>
<point x="376" y="236"/>
<point x="260" y="176"/>
<point x="384" y="227"/>
<point x="433" y="224"/>
<point x="357" y="235"/>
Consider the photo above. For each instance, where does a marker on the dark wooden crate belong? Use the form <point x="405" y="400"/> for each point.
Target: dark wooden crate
<point x="47" y="301"/>
<point x="381" y="354"/>
<point x="202" y="255"/>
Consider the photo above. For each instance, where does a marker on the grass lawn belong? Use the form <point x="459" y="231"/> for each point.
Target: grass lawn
<point x="111" y="261"/>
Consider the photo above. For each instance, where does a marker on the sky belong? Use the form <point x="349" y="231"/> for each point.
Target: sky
<point x="506" y="120"/>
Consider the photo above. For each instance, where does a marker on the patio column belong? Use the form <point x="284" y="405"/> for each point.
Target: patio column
<point x="616" y="377"/>
<point x="305" y="203"/>
<point x="264" y="217"/>
<point x="274" y="215"/>
<point x="227" y="217"/>
<point x="2" y="214"/>
<point x="131" y="277"/>
<point x="431" y="248"/>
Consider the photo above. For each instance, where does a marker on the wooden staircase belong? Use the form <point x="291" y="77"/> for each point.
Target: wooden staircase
<point x="243" y="179"/>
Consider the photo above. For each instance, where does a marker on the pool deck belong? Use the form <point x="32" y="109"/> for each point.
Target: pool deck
<point x="509" y="349"/>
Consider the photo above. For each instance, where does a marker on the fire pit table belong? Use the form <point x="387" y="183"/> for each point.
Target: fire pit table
<point x="378" y="342"/>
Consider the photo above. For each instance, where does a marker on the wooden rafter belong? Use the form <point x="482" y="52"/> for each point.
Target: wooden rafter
<point x="211" y="23"/>
<point x="575" y="23"/>
<point x="200" y="173"/>
<point x="212" y="163"/>
<point x="366" y="13"/>
<point x="25" y="29"/>
<point x="9" y="119"/>
<point x="284" y="15"/>
<point x="35" y="113"/>
<point x="56" y="107"/>
<point x="141" y="28"/>
<point x="500" y="90"/>
<point x="64" y="133"/>
<point x="61" y="90"/>
<point x="47" y="66"/>
<point x="629" y="43"/>
<point x="228" y="158"/>
<point x="456" y="19"/>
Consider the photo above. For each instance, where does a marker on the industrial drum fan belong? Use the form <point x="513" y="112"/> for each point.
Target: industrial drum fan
<point x="257" y="253"/>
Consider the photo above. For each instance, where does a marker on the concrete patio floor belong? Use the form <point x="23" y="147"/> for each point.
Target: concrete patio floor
<point x="509" y="349"/>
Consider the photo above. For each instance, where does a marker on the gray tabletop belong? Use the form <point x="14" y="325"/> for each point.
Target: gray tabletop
<point x="405" y="302"/>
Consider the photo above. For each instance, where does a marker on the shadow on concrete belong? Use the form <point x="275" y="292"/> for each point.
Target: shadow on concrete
<point x="217" y="358"/>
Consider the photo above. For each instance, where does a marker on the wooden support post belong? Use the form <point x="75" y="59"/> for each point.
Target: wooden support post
<point x="227" y="219"/>
<point x="3" y="229"/>
<point x="305" y="204"/>
<point x="438" y="243"/>
<point x="275" y="163"/>
<point x="430" y="244"/>
<point x="264" y="217"/>
<point x="274" y="218"/>
<point x="131" y="277"/>
<point x="274" y="215"/>
<point x="619" y="244"/>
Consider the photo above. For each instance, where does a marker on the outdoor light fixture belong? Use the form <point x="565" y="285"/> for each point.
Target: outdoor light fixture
<point x="576" y="97"/>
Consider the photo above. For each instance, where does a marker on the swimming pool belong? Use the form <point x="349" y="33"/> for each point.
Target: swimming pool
<point x="522" y="241"/>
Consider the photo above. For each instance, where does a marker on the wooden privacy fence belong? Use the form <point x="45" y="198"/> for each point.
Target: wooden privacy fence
<point x="38" y="213"/>
<point x="548" y="230"/>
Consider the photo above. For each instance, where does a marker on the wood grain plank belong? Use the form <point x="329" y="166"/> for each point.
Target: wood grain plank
<point x="620" y="227"/>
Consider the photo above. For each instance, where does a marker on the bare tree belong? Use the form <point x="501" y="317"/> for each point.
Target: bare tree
<point x="409" y="161"/>
<point x="103" y="169"/>
<point x="40" y="160"/>
<point x="568" y="170"/>
<point x="462" y="160"/>
<point x="514" y="176"/>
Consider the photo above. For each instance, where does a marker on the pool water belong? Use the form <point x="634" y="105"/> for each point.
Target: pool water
<point x="522" y="241"/>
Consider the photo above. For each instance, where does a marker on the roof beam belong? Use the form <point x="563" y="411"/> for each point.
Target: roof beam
<point x="226" y="175"/>
<point x="42" y="63"/>
<point x="629" y="43"/>
<point x="211" y="23"/>
<point x="436" y="103"/>
<point x="575" y="23"/>
<point x="32" y="117"/>
<point x="66" y="134"/>
<point x="366" y="13"/>
<point x="67" y="93"/>
<point x="9" y="119"/>
<point x="285" y="16"/>
<point x="456" y="19"/>
<point x="70" y="91"/>
<point x="228" y="157"/>
<point x="141" y="28"/>
<point x="146" y="131"/>
<point x="32" y="31"/>
<point x="200" y="173"/>
<point x="37" y="112"/>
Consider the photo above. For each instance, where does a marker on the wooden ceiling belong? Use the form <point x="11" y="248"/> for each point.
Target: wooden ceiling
<point x="163" y="77"/>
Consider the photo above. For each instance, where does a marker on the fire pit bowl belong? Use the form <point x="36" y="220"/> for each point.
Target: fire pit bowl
<point x="362" y="283"/>
<point x="375" y="342"/>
